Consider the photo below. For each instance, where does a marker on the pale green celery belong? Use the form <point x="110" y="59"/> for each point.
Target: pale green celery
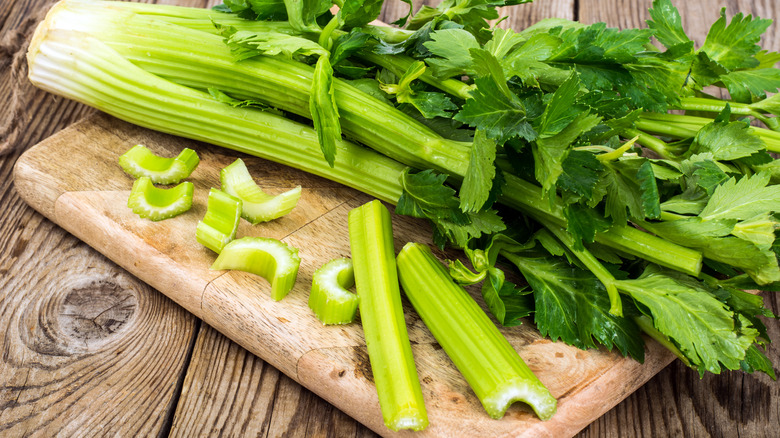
<point x="648" y="141"/>
<point x="329" y="298"/>
<point x="269" y="258"/>
<point x="704" y="104"/>
<point x="166" y="50"/>
<point x="382" y="316"/>
<point x="66" y="61"/>
<point x="140" y="161"/>
<point x="77" y="66"/>
<point x="220" y="223"/>
<point x="150" y="202"/>
<point x="257" y="205"/>
<point x="682" y="126"/>
<point x="493" y="369"/>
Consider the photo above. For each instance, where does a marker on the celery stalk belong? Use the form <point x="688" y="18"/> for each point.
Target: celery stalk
<point x="140" y="161"/>
<point x="257" y="206"/>
<point x="271" y="259"/>
<point x="381" y="313"/>
<point x="220" y="224"/>
<point x="329" y="298"/>
<point x="493" y="369"/>
<point x="150" y="202"/>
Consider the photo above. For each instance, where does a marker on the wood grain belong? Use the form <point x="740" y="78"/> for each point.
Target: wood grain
<point x="675" y="403"/>
<point x="83" y="341"/>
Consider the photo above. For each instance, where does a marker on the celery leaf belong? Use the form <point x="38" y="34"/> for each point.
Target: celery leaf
<point x="572" y="305"/>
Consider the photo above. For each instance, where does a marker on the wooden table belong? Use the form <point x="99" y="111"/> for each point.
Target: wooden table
<point x="171" y="374"/>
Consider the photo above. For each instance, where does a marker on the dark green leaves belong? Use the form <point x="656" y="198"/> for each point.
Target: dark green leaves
<point x="727" y="140"/>
<point x="667" y="24"/>
<point x="426" y="196"/>
<point x="479" y="178"/>
<point x="324" y="112"/>
<point x="706" y="331"/>
<point x="734" y="46"/>
<point x="356" y="13"/>
<point x="430" y="104"/>
<point x="491" y="110"/>
<point x="572" y="305"/>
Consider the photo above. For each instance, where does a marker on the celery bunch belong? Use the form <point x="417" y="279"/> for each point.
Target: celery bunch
<point x="469" y="126"/>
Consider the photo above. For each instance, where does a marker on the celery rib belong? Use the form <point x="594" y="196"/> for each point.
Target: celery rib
<point x="493" y="369"/>
<point x="257" y="206"/>
<point x="382" y="317"/>
<point x="156" y="204"/>
<point x="220" y="224"/>
<point x="140" y="161"/>
<point x="271" y="259"/>
<point x="329" y="298"/>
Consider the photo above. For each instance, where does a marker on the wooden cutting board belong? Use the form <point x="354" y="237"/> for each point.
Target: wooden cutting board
<point x="73" y="179"/>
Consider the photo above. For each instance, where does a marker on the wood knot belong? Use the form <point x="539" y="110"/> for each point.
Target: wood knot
<point x="81" y="317"/>
<point x="93" y="313"/>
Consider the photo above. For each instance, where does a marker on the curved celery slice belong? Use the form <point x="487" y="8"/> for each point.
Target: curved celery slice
<point x="156" y="204"/>
<point x="258" y="206"/>
<point x="387" y="340"/>
<point x="140" y="161"/>
<point x="271" y="259"/>
<point x="330" y="300"/>
<point x="493" y="369"/>
<point x="219" y="225"/>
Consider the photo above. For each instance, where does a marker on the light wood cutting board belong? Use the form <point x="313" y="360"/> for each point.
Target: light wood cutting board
<point x="73" y="179"/>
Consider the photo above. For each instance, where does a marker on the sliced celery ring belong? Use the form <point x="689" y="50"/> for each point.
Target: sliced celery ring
<point x="330" y="300"/>
<point x="269" y="258"/>
<point x="258" y="206"/>
<point x="140" y="161"/>
<point x="156" y="204"/>
<point x="220" y="224"/>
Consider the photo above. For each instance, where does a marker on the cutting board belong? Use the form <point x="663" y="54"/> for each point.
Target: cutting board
<point x="73" y="179"/>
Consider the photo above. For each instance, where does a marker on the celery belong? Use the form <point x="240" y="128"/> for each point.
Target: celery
<point x="220" y="224"/>
<point x="493" y="369"/>
<point x="381" y="313"/>
<point x="257" y="206"/>
<point x="330" y="300"/>
<point x="167" y="50"/>
<point x="75" y="65"/>
<point x="140" y="161"/>
<point x="271" y="259"/>
<point x="150" y="202"/>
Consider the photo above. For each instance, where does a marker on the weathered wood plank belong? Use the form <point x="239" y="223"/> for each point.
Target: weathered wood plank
<point x="86" y="348"/>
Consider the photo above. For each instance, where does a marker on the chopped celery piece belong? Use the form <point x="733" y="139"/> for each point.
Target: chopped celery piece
<point x="493" y="369"/>
<point x="389" y="350"/>
<point x="269" y="258"/>
<point x="156" y="204"/>
<point x="219" y="225"/>
<point x="140" y="161"/>
<point x="258" y="206"/>
<point x="330" y="300"/>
